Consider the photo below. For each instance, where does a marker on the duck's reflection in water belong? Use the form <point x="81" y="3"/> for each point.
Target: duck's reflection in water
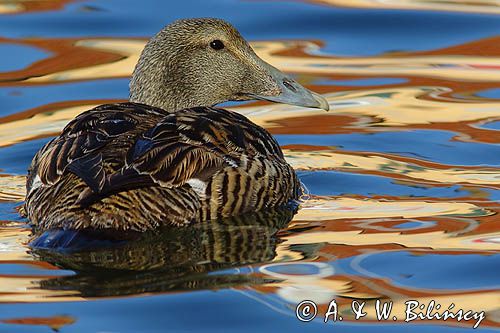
<point x="172" y="260"/>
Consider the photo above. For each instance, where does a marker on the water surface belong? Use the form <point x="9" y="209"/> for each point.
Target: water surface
<point x="403" y="174"/>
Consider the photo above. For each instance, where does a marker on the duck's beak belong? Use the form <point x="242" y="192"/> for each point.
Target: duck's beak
<point x="292" y="92"/>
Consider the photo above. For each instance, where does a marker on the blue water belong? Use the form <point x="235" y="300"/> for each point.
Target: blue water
<point x="367" y="185"/>
<point x="443" y="272"/>
<point x="213" y="279"/>
<point x="19" y="98"/>
<point x="344" y="30"/>
<point x="18" y="56"/>
<point x="428" y="145"/>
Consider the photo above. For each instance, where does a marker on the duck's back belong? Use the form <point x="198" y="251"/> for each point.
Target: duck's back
<point x="130" y="166"/>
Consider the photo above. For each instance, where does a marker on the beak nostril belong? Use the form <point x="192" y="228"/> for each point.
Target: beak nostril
<point x="289" y="85"/>
<point x="289" y="91"/>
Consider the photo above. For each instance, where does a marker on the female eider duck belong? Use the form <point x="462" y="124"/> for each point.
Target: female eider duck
<point x="168" y="157"/>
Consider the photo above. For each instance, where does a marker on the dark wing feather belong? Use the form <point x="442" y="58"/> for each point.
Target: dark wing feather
<point x="71" y="149"/>
<point x="90" y="169"/>
<point x="77" y="149"/>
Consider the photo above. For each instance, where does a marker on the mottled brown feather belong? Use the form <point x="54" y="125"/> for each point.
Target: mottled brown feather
<point x="111" y="159"/>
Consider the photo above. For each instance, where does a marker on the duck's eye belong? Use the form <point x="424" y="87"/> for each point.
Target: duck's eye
<point x="217" y="44"/>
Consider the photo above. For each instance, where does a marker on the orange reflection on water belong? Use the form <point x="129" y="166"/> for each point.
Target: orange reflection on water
<point x="483" y="6"/>
<point x="439" y="92"/>
<point x="55" y="322"/>
<point x="28" y="6"/>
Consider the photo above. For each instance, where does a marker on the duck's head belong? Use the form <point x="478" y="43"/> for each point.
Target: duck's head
<point x="204" y="62"/>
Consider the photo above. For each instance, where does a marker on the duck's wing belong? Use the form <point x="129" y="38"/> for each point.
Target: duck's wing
<point x="80" y="146"/>
<point x="118" y="147"/>
<point x="190" y="144"/>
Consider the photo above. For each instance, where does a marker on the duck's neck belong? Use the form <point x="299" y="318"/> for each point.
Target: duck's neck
<point x="149" y="85"/>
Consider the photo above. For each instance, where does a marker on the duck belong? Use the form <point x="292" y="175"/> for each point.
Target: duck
<point x="169" y="156"/>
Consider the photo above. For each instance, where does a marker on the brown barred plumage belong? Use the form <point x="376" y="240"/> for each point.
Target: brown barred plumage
<point x="164" y="158"/>
<point x="130" y="166"/>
